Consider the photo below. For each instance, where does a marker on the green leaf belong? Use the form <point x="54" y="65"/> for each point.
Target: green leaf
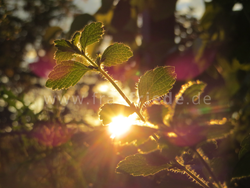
<point x="65" y="51"/>
<point x="66" y="74"/>
<point x="155" y="83"/>
<point x="242" y="168"/>
<point x="63" y="45"/>
<point x="188" y="95"/>
<point x="63" y="56"/>
<point x="116" y="53"/>
<point x="140" y="165"/>
<point x="111" y="110"/>
<point x="190" y="91"/>
<point x="245" y="146"/>
<point x="76" y="39"/>
<point x="91" y="33"/>
<point x="219" y="130"/>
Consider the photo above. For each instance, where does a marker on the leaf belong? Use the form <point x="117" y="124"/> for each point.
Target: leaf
<point x="63" y="45"/>
<point x="187" y="98"/>
<point x="169" y="150"/>
<point x="76" y="39"/>
<point x="138" y="165"/>
<point x="219" y="131"/>
<point x="63" y="56"/>
<point x="155" y="83"/>
<point x="190" y="91"/>
<point x="242" y="168"/>
<point x="65" y="51"/>
<point x="111" y="110"/>
<point x="66" y="74"/>
<point x="208" y="148"/>
<point x="116" y="53"/>
<point x="91" y="33"/>
<point x="147" y="147"/>
<point x="218" y="164"/>
<point x="136" y="134"/>
<point x="156" y="112"/>
<point x="245" y="146"/>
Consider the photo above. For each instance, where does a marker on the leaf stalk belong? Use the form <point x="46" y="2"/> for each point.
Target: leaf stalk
<point x="111" y="80"/>
<point x="197" y="179"/>
<point x="207" y="167"/>
<point x="202" y="161"/>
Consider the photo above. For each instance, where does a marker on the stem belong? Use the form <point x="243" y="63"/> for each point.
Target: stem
<point x="191" y="175"/>
<point x="110" y="79"/>
<point x="202" y="161"/>
<point x="121" y="93"/>
<point x="207" y="167"/>
<point x="116" y="86"/>
<point x="91" y="62"/>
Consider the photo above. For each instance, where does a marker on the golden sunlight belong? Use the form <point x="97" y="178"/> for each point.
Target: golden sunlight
<point x="121" y="125"/>
<point x="172" y="134"/>
<point x="103" y="88"/>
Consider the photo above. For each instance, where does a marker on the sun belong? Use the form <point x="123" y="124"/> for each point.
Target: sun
<point x="121" y="124"/>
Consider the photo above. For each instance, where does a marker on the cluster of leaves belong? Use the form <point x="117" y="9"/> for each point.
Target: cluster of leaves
<point x="68" y="72"/>
<point x="166" y="145"/>
<point x="219" y="39"/>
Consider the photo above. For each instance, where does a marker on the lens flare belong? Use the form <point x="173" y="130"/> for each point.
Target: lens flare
<point x="120" y="125"/>
<point x="103" y="88"/>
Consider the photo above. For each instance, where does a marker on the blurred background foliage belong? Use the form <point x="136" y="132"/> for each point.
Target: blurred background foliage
<point x="49" y="141"/>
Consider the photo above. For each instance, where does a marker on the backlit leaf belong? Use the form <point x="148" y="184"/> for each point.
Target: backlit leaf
<point x="156" y="112"/>
<point x="136" y="135"/>
<point x="139" y="165"/>
<point x="116" y="53"/>
<point x="111" y="110"/>
<point x="91" y="33"/>
<point x="219" y="131"/>
<point x="63" y="45"/>
<point x="147" y="147"/>
<point x="76" y="39"/>
<point x="63" y="56"/>
<point x="156" y="83"/>
<point x="169" y="150"/>
<point x="193" y="89"/>
<point x="190" y="91"/>
<point x="65" y="51"/>
<point x="66" y="74"/>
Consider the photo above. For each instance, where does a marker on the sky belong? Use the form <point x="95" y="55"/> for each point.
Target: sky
<point x="91" y="6"/>
<point x="88" y="6"/>
<point x="199" y="7"/>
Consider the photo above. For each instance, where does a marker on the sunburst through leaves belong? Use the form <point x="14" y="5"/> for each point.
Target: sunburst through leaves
<point x="121" y="124"/>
